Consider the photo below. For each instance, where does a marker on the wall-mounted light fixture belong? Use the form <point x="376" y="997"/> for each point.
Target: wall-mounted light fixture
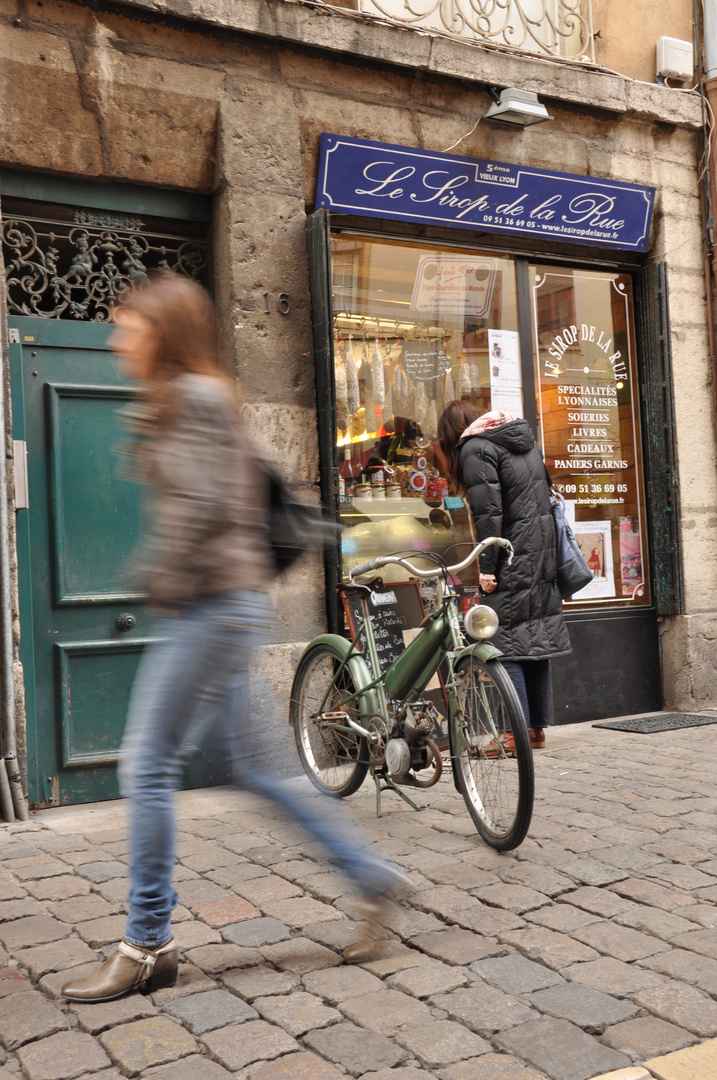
<point x="517" y="107"/>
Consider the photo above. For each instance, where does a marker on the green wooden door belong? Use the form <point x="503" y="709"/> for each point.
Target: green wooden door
<point x="79" y="649"/>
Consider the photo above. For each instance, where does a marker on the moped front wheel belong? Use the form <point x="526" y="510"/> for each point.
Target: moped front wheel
<point x="490" y="753"/>
<point x="335" y="760"/>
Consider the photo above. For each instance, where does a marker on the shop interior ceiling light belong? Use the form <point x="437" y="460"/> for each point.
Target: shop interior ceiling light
<point x="517" y="107"/>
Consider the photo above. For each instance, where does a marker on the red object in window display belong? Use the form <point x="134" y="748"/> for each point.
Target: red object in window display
<point x="436" y="489"/>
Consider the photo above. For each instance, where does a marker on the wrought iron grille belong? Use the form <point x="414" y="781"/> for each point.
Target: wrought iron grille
<point x="552" y="27"/>
<point x="68" y="263"/>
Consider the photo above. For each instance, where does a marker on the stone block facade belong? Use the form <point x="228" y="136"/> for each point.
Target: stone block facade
<point x="229" y="100"/>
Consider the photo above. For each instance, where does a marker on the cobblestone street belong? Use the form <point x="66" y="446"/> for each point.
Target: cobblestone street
<point x="592" y="948"/>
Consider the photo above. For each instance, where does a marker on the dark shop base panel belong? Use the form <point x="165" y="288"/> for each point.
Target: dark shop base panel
<point x="613" y="670"/>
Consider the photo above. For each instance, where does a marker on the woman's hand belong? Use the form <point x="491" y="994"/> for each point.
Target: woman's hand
<point x="488" y="583"/>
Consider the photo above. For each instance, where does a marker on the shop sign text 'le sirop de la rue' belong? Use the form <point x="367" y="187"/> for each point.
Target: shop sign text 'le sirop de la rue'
<point x="380" y="180"/>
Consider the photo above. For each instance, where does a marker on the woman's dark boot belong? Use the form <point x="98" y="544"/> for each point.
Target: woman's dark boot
<point x="128" y="968"/>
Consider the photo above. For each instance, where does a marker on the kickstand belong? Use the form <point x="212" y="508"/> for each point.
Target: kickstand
<point x="390" y="786"/>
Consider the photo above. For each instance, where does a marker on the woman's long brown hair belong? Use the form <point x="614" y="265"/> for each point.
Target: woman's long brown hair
<point x="453" y="421"/>
<point x="182" y="314"/>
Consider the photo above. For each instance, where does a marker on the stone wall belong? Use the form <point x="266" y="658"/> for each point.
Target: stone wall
<point x="230" y="98"/>
<point x="627" y="34"/>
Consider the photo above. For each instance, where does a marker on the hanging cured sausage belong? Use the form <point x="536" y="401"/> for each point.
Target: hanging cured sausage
<point x="387" y="400"/>
<point x="420" y="409"/>
<point x="400" y="391"/>
<point x="342" y="404"/>
<point x="353" y="397"/>
<point x="369" y="400"/>
<point x="438" y="391"/>
<point x="378" y="376"/>
<point x="432" y="418"/>
<point x="464" y="381"/>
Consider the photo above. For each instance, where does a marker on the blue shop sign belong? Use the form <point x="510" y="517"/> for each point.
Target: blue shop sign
<point x="380" y="180"/>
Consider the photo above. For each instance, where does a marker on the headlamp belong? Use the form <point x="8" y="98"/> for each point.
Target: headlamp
<point x="480" y="622"/>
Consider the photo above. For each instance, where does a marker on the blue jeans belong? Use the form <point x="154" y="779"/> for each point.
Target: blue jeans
<point x="197" y="673"/>
<point x="531" y="679"/>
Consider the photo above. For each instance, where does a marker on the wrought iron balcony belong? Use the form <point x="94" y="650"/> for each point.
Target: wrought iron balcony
<point x="546" y="27"/>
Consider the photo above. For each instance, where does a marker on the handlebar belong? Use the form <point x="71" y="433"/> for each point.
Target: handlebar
<point x="394" y="560"/>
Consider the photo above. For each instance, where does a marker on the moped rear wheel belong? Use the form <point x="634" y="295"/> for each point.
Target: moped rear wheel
<point x="336" y="762"/>
<point x="490" y="753"/>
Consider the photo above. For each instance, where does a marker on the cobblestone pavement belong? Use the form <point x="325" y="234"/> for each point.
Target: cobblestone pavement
<point x="590" y="949"/>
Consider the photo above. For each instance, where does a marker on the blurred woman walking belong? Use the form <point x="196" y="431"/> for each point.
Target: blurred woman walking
<point x="205" y="565"/>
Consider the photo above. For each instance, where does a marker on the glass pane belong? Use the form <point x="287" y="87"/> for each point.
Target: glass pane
<point x="415" y="327"/>
<point x="589" y="424"/>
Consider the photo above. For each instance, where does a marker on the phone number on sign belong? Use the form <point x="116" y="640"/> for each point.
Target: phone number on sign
<point x="592" y="489"/>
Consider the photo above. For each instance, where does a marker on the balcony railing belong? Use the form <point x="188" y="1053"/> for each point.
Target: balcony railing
<point x="548" y="27"/>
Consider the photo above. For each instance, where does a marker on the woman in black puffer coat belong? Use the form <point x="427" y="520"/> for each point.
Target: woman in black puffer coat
<point x="496" y="461"/>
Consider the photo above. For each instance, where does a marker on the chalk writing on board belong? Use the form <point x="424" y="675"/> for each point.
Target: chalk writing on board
<point x="403" y="611"/>
<point x="424" y="360"/>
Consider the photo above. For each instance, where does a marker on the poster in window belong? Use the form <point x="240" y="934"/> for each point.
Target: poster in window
<point x="630" y="554"/>
<point x="453" y="285"/>
<point x="506" y="379"/>
<point x="595" y="541"/>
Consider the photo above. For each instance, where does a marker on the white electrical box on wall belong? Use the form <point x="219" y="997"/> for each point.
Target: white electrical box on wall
<point x="675" y="59"/>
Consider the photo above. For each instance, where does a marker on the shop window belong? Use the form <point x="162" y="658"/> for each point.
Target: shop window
<point x="414" y="328"/>
<point x="588" y="417"/>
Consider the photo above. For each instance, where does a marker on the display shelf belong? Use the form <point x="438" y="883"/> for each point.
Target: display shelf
<point x="376" y="509"/>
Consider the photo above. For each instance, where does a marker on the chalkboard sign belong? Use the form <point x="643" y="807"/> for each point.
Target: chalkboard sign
<point x="393" y="608"/>
<point x="424" y="360"/>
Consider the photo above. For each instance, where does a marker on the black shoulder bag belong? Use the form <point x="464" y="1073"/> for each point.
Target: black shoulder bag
<point x="292" y="526"/>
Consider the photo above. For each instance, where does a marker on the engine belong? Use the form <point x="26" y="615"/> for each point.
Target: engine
<point x="415" y="750"/>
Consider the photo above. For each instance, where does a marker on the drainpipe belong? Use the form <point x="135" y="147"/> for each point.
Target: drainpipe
<point x="709" y="90"/>
<point x="13" y="801"/>
<point x="10" y="779"/>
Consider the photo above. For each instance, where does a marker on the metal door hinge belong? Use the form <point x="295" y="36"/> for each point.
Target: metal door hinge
<point x="19" y="453"/>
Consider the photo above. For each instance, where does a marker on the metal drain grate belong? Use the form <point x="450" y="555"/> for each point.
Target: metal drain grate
<point x="645" y="725"/>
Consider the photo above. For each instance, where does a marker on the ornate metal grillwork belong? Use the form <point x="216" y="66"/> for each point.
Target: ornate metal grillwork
<point x="553" y="27"/>
<point x="80" y="264"/>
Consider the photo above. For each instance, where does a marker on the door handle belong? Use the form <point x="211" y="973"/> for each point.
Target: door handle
<point x="125" y="622"/>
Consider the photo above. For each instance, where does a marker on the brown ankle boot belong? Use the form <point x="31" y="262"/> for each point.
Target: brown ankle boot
<point x="369" y="942"/>
<point x="128" y="968"/>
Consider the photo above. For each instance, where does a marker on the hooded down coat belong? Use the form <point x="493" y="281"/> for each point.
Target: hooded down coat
<point x="506" y="484"/>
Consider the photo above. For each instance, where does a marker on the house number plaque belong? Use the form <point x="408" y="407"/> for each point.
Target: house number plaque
<point x="281" y="304"/>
